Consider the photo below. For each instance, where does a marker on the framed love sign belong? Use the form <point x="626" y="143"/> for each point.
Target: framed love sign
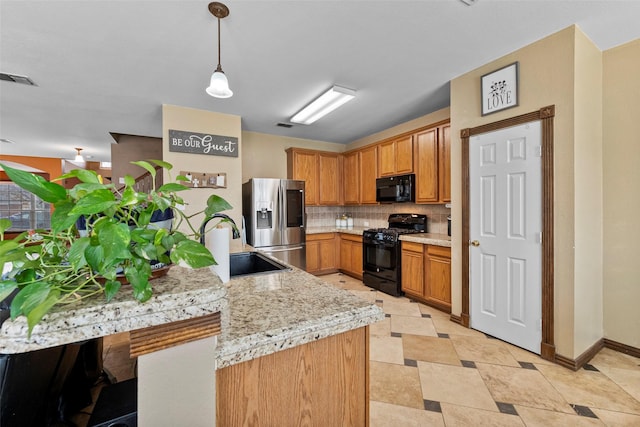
<point x="499" y="89"/>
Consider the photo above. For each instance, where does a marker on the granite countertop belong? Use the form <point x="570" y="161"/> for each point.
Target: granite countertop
<point x="182" y="294"/>
<point x="260" y="314"/>
<point x="354" y="230"/>
<point x="428" y="239"/>
<point x="276" y="311"/>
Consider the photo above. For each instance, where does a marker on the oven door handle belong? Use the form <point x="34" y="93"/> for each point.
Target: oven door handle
<point x="379" y="243"/>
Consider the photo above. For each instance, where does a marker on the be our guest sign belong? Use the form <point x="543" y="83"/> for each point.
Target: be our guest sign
<point x="499" y="89"/>
<point x="202" y="143"/>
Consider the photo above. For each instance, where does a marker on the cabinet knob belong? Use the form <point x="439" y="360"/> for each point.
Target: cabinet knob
<point x="474" y="243"/>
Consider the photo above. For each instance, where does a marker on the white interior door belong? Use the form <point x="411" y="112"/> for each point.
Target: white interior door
<point x="505" y="280"/>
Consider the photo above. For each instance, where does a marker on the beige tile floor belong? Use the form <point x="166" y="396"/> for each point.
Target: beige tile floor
<point x="428" y="371"/>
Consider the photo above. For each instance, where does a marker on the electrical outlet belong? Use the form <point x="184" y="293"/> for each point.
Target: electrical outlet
<point x="366" y="223"/>
<point x="121" y="180"/>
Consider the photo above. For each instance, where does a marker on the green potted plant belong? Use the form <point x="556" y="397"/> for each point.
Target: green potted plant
<point x="62" y="265"/>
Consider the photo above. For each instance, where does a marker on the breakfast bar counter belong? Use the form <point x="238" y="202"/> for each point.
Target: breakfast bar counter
<point x="276" y="311"/>
<point x="276" y="332"/>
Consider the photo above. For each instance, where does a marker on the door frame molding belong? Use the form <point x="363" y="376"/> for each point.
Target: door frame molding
<point x="546" y="116"/>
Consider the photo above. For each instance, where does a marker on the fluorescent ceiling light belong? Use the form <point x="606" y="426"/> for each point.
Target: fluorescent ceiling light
<point x="326" y="103"/>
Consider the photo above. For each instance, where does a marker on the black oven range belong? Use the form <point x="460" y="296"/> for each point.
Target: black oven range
<point x="381" y="252"/>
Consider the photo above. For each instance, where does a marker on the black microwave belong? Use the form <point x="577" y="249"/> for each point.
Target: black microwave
<point x="400" y="188"/>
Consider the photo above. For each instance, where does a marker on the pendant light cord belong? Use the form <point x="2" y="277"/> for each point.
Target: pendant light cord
<point x="219" y="66"/>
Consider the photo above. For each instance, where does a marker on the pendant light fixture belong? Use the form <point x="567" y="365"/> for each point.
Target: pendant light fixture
<point x="219" y="85"/>
<point x="78" y="158"/>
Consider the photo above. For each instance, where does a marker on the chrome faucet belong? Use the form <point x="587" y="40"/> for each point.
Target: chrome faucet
<point x="225" y="218"/>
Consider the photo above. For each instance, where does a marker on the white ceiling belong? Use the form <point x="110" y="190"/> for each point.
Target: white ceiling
<point x="108" y="66"/>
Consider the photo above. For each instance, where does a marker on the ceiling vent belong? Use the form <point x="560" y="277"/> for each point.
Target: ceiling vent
<point x="17" y="79"/>
<point x="284" y="125"/>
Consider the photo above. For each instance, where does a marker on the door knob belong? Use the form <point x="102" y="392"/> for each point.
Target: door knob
<point x="474" y="243"/>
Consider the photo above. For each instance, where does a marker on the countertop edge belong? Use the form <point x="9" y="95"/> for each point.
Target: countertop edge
<point x="320" y="230"/>
<point x="244" y="349"/>
<point x="428" y="239"/>
<point x="202" y="294"/>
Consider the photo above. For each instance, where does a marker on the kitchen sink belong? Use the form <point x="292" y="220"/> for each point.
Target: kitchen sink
<point x="249" y="263"/>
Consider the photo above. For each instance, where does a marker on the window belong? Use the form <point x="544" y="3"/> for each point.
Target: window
<point x="23" y="209"/>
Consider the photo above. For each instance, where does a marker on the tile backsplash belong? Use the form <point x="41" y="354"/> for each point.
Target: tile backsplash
<point x="377" y="215"/>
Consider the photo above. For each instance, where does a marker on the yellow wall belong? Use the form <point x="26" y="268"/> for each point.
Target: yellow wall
<point x="264" y="155"/>
<point x="547" y="76"/>
<point x="189" y="119"/>
<point x="588" y="198"/>
<point x="621" y="159"/>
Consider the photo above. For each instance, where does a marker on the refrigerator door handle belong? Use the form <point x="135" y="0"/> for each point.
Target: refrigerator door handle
<point x="281" y="212"/>
<point x="283" y="250"/>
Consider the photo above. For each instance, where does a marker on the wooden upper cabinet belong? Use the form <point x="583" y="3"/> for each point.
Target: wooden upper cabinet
<point x="404" y="154"/>
<point x="329" y="173"/>
<point x="426" y="152"/>
<point x="368" y="174"/>
<point x="444" y="163"/>
<point x="321" y="172"/>
<point x="396" y="157"/>
<point x="351" y="174"/>
<point x="387" y="158"/>
<point x="303" y="165"/>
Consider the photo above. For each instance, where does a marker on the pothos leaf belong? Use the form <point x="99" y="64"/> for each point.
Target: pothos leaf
<point x="216" y="204"/>
<point x="37" y="313"/>
<point x="6" y="287"/>
<point x="4" y="224"/>
<point x="47" y="191"/>
<point x="28" y="298"/>
<point x="192" y="253"/>
<point x="111" y="288"/>
<point x="147" y="166"/>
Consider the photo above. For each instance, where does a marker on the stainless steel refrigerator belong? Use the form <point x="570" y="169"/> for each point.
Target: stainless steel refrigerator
<point x="273" y="211"/>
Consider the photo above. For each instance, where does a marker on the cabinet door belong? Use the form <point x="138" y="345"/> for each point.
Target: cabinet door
<point x="368" y="175"/>
<point x="356" y="258"/>
<point x="427" y="166"/>
<point x="412" y="268"/>
<point x="345" y="255"/>
<point x="438" y="276"/>
<point x="351" y="180"/>
<point x="328" y="258"/>
<point x="444" y="167"/>
<point x="387" y="158"/>
<point x="313" y="256"/>
<point x="404" y="155"/>
<point x="305" y="167"/>
<point x="329" y="174"/>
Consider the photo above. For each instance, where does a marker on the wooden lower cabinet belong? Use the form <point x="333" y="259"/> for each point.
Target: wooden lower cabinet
<point x="322" y="254"/>
<point x="322" y="383"/>
<point x="438" y="277"/>
<point x="351" y="255"/>
<point x="412" y="267"/>
<point x="426" y="274"/>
